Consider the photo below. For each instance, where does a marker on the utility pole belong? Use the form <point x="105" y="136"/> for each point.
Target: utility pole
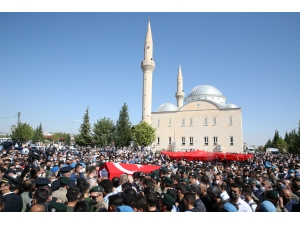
<point x="19" y="115"/>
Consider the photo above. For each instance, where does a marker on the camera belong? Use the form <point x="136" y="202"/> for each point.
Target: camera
<point x="34" y="154"/>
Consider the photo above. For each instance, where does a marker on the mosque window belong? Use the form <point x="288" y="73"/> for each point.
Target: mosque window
<point x="191" y="140"/>
<point x="205" y="140"/>
<point x="205" y="121"/>
<point x="215" y="140"/>
<point x="230" y="120"/>
<point x="170" y="122"/>
<point x="231" y="140"/>
<point x="183" y="140"/>
<point x="183" y="122"/>
<point x="191" y="121"/>
<point x="215" y="121"/>
<point x="170" y="140"/>
<point x="157" y="140"/>
<point x="158" y="122"/>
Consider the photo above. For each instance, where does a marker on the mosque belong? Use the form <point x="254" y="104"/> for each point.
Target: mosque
<point x="203" y="120"/>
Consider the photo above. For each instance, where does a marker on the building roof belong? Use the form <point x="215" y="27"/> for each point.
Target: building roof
<point x="205" y="90"/>
<point x="231" y="105"/>
<point x="167" y="107"/>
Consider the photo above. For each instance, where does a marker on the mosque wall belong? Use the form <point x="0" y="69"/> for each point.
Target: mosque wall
<point x="190" y="127"/>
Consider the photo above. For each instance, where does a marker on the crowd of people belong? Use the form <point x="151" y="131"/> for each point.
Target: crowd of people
<point x="65" y="180"/>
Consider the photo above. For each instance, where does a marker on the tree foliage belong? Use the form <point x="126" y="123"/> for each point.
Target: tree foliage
<point x="23" y="132"/>
<point x="123" y="135"/>
<point x="103" y="131"/>
<point x="38" y="134"/>
<point x="290" y="143"/>
<point x="143" y="134"/>
<point x="84" y="138"/>
<point x="62" y="137"/>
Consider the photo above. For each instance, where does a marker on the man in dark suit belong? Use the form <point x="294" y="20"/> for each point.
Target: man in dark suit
<point x="13" y="202"/>
<point x="65" y="172"/>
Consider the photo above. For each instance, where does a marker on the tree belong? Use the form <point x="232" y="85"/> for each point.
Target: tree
<point x="281" y="144"/>
<point x="23" y="132"/>
<point x="35" y="137"/>
<point x="67" y="139"/>
<point x="84" y="138"/>
<point x="62" y="137"/>
<point x="143" y="134"/>
<point x="123" y="134"/>
<point x="267" y="145"/>
<point x="103" y="131"/>
<point x="287" y="138"/>
<point x="40" y="131"/>
<point x="275" y="138"/>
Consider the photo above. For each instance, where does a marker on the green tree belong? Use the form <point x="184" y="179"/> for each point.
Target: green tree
<point x="287" y="138"/>
<point x="281" y="144"/>
<point x="23" y="132"/>
<point x="40" y="131"/>
<point x="275" y="138"/>
<point x="143" y="134"/>
<point x="103" y="131"/>
<point x="35" y="137"/>
<point x="62" y="137"/>
<point x="67" y="139"/>
<point x="84" y="138"/>
<point x="123" y="135"/>
<point x="267" y="145"/>
<point x="38" y="134"/>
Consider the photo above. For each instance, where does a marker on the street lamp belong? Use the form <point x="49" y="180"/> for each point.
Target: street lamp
<point x="72" y="121"/>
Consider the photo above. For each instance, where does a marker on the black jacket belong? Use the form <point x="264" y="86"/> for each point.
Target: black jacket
<point x="13" y="203"/>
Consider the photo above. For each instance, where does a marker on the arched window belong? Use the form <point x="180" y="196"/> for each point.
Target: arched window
<point x="205" y="121"/>
<point x="215" y="121"/>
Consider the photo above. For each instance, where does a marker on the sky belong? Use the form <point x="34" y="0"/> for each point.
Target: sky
<point x="55" y="65"/>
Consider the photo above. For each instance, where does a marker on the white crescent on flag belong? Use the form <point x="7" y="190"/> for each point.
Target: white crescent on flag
<point x="123" y="169"/>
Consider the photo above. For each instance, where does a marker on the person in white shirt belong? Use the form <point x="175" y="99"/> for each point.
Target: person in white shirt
<point x="234" y="194"/>
<point x="246" y="192"/>
<point x="123" y="179"/>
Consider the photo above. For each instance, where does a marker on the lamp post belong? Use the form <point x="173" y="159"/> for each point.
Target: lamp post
<point x="72" y="121"/>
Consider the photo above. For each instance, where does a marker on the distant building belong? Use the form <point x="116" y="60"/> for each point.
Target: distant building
<point x="48" y="134"/>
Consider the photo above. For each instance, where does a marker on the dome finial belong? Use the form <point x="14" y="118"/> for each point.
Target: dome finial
<point x="204" y="83"/>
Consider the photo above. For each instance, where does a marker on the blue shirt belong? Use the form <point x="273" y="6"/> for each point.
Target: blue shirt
<point x="74" y="177"/>
<point x="289" y="205"/>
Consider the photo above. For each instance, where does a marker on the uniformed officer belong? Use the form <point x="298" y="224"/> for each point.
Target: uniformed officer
<point x="164" y="172"/>
<point x="96" y="198"/>
<point x="166" y="183"/>
<point x="65" y="172"/>
<point x="61" y="193"/>
<point x="57" y="207"/>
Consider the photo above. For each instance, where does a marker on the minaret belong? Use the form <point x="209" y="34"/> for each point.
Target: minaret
<point x="180" y="93"/>
<point x="148" y="66"/>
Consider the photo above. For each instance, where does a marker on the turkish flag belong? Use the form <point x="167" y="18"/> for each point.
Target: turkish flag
<point x="207" y="156"/>
<point x="117" y="169"/>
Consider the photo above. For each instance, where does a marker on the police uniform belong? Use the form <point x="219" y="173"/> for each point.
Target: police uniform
<point x="56" y="184"/>
<point x="101" y="204"/>
<point x="61" y="193"/>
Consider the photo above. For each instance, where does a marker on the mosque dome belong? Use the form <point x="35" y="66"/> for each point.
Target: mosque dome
<point x="204" y="90"/>
<point x="167" y="107"/>
<point x="231" y="105"/>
